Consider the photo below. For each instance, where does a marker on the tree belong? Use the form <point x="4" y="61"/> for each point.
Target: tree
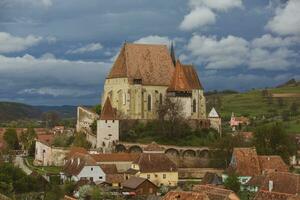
<point x="27" y="138"/>
<point x="11" y="138"/>
<point x="97" y="109"/>
<point x="51" y="118"/>
<point x="80" y="141"/>
<point x="273" y="140"/>
<point x="232" y="183"/>
<point x="62" y="140"/>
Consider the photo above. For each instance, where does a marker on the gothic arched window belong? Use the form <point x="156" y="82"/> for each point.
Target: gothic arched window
<point x="194" y="105"/>
<point x="149" y="103"/>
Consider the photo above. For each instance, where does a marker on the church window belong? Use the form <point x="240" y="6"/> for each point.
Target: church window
<point x="149" y="103"/>
<point x="124" y="98"/>
<point x="194" y="105"/>
<point x="160" y="99"/>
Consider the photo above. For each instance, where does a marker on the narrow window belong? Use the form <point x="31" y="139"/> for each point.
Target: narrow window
<point x="149" y="103"/>
<point x="92" y="169"/>
<point x="124" y="98"/>
<point x="160" y="99"/>
<point x="100" y="177"/>
<point x="164" y="176"/>
<point x="194" y="105"/>
<point x="148" y="176"/>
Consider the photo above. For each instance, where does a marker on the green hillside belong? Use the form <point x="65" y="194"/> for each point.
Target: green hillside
<point x="15" y="111"/>
<point x="256" y="105"/>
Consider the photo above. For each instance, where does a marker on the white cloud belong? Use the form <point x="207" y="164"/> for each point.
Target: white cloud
<point x="226" y="53"/>
<point x="287" y="19"/>
<point x="203" y="12"/>
<point x="268" y="41"/>
<point x="198" y="17"/>
<point x="85" y="49"/>
<point x="280" y="59"/>
<point x="221" y="5"/>
<point x="154" y="39"/>
<point x="55" y="92"/>
<point x="10" y="43"/>
<point x="28" y="72"/>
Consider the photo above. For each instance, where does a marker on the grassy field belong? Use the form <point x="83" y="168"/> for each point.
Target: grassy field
<point x="254" y="105"/>
<point x="42" y="170"/>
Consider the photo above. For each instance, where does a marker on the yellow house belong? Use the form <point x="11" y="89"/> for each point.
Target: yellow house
<point x="155" y="166"/>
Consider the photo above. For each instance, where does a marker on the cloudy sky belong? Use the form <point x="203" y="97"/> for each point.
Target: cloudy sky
<point x="58" y="52"/>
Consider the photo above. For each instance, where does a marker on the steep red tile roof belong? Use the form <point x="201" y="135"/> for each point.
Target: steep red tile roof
<point x="114" y="178"/>
<point x="77" y="162"/>
<point x="108" y="113"/>
<point x="155" y="162"/>
<point x="192" y="77"/>
<point x="109" y="168"/>
<point x="153" y="61"/>
<point x="283" y="182"/>
<point x="244" y="162"/>
<point x="272" y="163"/>
<point x="217" y="193"/>
<point x="266" y="195"/>
<point x="115" y="157"/>
<point x="75" y="150"/>
<point x="133" y="182"/>
<point x="183" y="195"/>
<point x="179" y="80"/>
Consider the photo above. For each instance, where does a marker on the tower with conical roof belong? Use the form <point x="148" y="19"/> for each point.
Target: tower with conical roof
<point x="107" y="127"/>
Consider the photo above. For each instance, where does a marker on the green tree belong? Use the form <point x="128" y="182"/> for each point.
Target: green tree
<point x="97" y="109"/>
<point x="11" y="138"/>
<point x="27" y="138"/>
<point x="272" y="139"/>
<point x="80" y="141"/>
<point x="232" y="183"/>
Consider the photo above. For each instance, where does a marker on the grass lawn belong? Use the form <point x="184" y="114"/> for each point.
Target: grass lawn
<point x="43" y="170"/>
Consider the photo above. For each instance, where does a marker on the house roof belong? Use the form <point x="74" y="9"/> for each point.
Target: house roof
<point x="183" y="195"/>
<point x="75" y="150"/>
<point x="45" y="138"/>
<point x="213" y="113"/>
<point x="109" y="168"/>
<point x="211" y="178"/>
<point x="244" y="162"/>
<point x="179" y="82"/>
<point x="155" y="162"/>
<point x="266" y="195"/>
<point x="192" y="76"/>
<point x="113" y="157"/>
<point x="134" y="182"/>
<point x="283" y="182"/>
<point x="108" y="112"/>
<point x="153" y="61"/>
<point x="272" y="163"/>
<point x="216" y="193"/>
<point x="77" y="162"/>
<point x="114" y="178"/>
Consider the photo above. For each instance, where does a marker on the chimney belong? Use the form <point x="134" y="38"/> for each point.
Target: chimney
<point x="270" y="186"/>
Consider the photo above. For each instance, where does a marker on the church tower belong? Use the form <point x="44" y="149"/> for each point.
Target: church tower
<point x="107" y="127"/>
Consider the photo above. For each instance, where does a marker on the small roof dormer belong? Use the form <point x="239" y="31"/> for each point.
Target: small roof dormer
<point x="108" y="112"/>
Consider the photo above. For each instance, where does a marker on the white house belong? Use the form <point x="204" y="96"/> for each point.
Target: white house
<point x="82" y="166"/>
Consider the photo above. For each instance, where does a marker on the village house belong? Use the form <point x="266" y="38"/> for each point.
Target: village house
<point x="247" y="164"/>
<point x="140" y="186"/>
<point x="238" y="122"/>
<point x="81" y="166"/>
<point x="184" y="195"/>
<point x="267" y="195"/>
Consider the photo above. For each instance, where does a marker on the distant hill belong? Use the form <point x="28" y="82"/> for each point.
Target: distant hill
<point x="14" y="111"/>
<point x="10" y="111"/>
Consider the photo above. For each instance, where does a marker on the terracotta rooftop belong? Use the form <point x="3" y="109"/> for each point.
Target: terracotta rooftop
<point x="77" y="162"/>
<point x="244" y="162"/>
<point x="115" y="157"/>
<point x="133" y="182"/>
<point x="272" y="163"/>
<point x="75" y="150"/>
<point x="266" y="195"/>
<point x="69" y="198"/>
<point x="153" y="61"/>
<point x="283" y="182"/>
<point x="109" y="168"/>
<point x="183" y="195"/>
<point x="155" y="162"/>
<point x="211" y="178"/>
<point x="45" y="138"/>
<point x="108" y="113"/>
<point x="192" y="77"/>
<point x="179" y="80"/>
<point x="114" y="178"/>
<point x="216" y="193"/>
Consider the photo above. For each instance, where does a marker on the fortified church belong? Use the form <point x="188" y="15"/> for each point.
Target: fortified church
<point x="141" y="78"/>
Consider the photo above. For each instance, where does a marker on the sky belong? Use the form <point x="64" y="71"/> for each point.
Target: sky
<point x="58" y="52"/>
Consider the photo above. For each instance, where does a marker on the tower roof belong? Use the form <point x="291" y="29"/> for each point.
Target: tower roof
<point x="173" y="56"/>
<point x="213" y="113"/>
<point x="179" y="81"/>
<point x="108" y="112"/>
